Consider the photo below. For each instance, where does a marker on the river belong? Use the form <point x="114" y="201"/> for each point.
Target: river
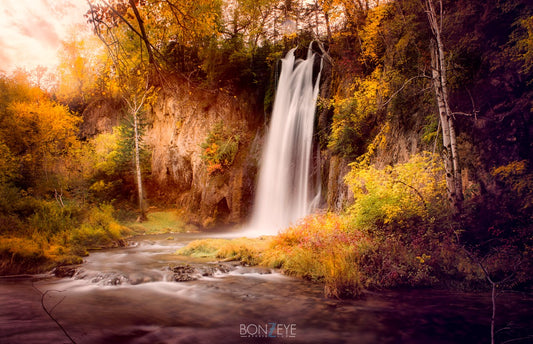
<point x="127" y="295"/>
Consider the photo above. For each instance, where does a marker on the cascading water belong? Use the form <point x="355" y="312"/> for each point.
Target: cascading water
<point x="284" y="192"/>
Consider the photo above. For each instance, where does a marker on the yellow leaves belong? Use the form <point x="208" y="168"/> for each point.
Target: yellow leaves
<point x="49" y="127"/>
<point x="371" y="34"/>
<point x="394" y="194"/>
<point x="182" y="21"/>
<point x="518" y="178"/>
<point x="526" y="44"/>
<point x="291" y="36"/>
<point x="355" y="111"/>
<point x="423" y="258"/>
<point x="98" y="186"/>
<point x="392" y="212"/>
<point x="514" y="168"/>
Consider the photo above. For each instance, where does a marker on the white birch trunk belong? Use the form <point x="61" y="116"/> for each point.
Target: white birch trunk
<point x="449" y="139"/>
<point x="138" y="174"/>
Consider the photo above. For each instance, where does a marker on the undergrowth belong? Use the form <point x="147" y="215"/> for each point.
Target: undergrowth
<point x="55" y="234"/>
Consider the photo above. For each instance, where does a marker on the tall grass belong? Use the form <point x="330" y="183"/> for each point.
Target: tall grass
<point x="248" y="251"/>
<point x="56" y="235"/>
<point x="320" y="249"/>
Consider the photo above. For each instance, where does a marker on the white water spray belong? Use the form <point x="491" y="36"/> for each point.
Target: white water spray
<point x="284" y="192"/>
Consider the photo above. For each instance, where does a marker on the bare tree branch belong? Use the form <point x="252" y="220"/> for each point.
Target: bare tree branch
<point x="144" y="36"/>
<point x="49" y="312"/>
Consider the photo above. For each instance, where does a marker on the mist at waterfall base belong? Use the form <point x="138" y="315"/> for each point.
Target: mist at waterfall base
<point x="285" y="191"/>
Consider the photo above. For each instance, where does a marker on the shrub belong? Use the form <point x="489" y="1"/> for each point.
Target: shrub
<point x="403" y="199"/>
<point x="20" y="255"/>
<point x="320" y="248"/>
<point x="99" y="229"/>
<point x="49" y="217"/>
<point x="219" y="149"/>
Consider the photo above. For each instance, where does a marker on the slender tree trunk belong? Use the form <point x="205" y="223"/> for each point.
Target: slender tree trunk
<point x="138" y="174"/>
<point x="328" y="28"/>
<point x="493" y="317"/>
<point x="449" y="139"/>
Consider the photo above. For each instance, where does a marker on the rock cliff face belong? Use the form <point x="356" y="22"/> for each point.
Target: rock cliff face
<point x="100" y="116"/>
<point x="181" y="120"/>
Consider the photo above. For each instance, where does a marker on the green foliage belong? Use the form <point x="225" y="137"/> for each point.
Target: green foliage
<point x="228" y="62"/>
<point x="124" y="154"/>
<point x="50" y="218"/>
<point x="399" y="198"/>
<point x="219" y="149"/>
<point x="355" y="116"/>
<point x="99" y="229"/>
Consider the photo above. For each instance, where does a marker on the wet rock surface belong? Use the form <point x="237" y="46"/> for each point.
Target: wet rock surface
<point x="192" y="272"/>
<point x="64" y="271"/>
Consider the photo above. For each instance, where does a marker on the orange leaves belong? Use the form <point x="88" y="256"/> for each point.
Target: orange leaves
<point x="213" y="168"/>
<point x="319" y="232"/>
<point x="219" y="149"/>
<point x="324" y="248"/>
<point x="49" y="127"/>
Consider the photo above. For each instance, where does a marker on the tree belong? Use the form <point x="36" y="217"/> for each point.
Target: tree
<point x="136" y="99"/>
<point x="82" y="65"/>
<point x="131" y="72"/>
<point x="447" y="120"/>
<point x="37" y="133"/>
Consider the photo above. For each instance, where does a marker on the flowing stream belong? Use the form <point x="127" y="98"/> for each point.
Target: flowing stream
<point x="130" y="295"/>
<point x="284" y="192"/>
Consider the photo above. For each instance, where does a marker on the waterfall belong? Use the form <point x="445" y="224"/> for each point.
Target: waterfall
<point x="284" y="192"/>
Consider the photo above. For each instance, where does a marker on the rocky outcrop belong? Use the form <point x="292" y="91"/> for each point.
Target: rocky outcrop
<point x="193" y="272"/>
<point x="100" y="116"/>
<point x="337" y="194"/>
<point x="181" y="119"/>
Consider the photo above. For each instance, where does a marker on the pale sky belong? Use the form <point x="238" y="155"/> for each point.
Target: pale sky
<point x="31" y="30"/>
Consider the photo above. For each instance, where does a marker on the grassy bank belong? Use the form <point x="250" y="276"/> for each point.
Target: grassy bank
<point x="326" y="249"/>
<point x="163" y="221"/>
<point x="54" y="234"/>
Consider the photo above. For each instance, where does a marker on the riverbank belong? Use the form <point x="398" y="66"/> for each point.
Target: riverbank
<point x="57" y="236"/>
<point x="347" y="261"/>
<point x="128" y="295"/>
